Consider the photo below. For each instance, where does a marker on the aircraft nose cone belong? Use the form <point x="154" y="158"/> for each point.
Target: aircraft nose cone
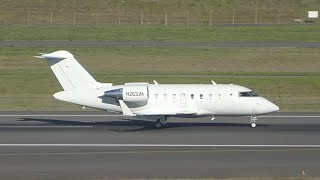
<point x="265" y="106"/>
<point x="274" y="107"/>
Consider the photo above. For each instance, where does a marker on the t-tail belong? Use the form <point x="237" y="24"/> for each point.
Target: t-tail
<point x="69" y="72"/>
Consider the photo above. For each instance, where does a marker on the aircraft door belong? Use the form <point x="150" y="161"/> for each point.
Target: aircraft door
<point x="183" y="98"/>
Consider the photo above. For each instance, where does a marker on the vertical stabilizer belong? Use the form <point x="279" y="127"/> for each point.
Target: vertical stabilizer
<point x="68" y="71"/>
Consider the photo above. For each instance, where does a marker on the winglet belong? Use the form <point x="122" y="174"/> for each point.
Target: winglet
<point x="125" y="110"/>
<point x="155" y="82"/>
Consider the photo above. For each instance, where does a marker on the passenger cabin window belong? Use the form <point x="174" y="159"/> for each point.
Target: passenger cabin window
<point x="201" y="96"/>
<point x="248" y="94"/>
<point x="210" y="96"/>
<point x="174" y="96"/>
<point x="164" y="96"/>
<point x="192" y="96"/>
<point x="156" y="96"/>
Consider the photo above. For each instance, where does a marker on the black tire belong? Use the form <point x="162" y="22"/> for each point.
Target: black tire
<point x="158" y="125"/>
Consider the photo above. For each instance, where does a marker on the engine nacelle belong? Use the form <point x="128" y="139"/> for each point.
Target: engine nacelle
<point x="135" y="94"/>
<point x="129" y="93"/>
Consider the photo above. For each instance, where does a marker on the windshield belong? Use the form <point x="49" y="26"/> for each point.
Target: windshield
<point x="248" y="94"/>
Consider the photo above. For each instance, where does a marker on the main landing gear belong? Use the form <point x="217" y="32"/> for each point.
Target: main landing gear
<point x="254" y="118"/>
<point x="160" y="122"/>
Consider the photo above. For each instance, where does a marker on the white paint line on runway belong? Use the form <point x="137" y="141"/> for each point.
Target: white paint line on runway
<point x="120" y="115"/>
<point x="167" y="145"/>
<point x="28" y="126"/>
<point x="59" y="115"/>
<point x="159" y="151"/>
<point x="289" y="116"/>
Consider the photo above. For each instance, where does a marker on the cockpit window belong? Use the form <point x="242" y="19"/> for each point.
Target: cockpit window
<point x="253" y="94"/>
<point x="248" y="94"/>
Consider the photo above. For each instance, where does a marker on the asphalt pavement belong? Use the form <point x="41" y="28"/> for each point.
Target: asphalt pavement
<point x="98" y="145"/>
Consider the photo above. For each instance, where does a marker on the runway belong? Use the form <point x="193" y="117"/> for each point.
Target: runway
<point x="165" y="44"/>
<point x="97" y="145"/>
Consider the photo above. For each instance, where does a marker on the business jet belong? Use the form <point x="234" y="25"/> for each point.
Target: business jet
<point x="154" y="101"/>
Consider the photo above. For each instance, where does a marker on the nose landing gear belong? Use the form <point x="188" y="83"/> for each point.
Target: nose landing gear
<point x="254" y="118"/>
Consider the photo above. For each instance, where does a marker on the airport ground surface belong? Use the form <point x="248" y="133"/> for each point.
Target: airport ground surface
<point x="95" y="145"/>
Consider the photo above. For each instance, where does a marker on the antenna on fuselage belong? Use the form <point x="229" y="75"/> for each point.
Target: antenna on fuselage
<point x="155" y="82"/>
<point x="214" y="83"/>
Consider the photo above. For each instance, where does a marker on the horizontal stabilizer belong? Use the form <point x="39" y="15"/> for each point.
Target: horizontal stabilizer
<point x="55" y="55"/>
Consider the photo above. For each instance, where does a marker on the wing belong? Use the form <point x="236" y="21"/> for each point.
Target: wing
<point x="171" y="112"/>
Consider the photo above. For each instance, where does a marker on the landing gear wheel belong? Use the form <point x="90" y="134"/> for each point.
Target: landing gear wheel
<point x="160" y="123"/>
<point x="253" y="121"/>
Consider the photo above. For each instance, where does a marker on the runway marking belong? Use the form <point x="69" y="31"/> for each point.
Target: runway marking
<point x="157" y="151"/>
<point x="28" y="126"/>
<point x="120" y="115"/>
<point x="290" y="116"/>
<point x="59" y="115"/>
<point x="166" y="145"/>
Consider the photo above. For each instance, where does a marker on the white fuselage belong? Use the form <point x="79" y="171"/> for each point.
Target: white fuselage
<point x="144" y="99"/>
<point x="184" y="100"/>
